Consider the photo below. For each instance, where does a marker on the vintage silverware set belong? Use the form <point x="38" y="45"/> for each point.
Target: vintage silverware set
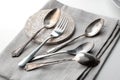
<point x="53" y="19"/>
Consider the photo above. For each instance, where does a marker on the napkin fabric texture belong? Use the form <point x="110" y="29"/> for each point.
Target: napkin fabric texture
<point x="104" y="43"/>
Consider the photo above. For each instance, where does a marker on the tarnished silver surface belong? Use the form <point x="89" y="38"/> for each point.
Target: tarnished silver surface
<point x="50" y="21"/>
<point x="35" y="22"/>
<point x="85" y="47"/>
<point x="85" y="59"/>
<point x="92" y="29"/>
<point x="57" y="31"/>
<point x="69" y="70"/>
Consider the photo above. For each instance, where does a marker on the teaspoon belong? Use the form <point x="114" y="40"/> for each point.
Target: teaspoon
<point x="49" y="22"/>
<point x="85" y="59"/>
<point x="92" y="30"/>
<point x="85" y="47"/>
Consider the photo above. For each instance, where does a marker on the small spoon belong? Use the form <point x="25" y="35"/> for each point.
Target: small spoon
<point x="49" y="22"/>
<point x="92" y="30"/>
<point x="85" y="47"/>
<point x="82" y="58"/>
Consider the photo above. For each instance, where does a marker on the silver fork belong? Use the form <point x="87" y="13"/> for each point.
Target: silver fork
<point x="59" y="29"/>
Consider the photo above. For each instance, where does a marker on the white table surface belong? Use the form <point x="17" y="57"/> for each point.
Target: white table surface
<point x="14" y="13"/>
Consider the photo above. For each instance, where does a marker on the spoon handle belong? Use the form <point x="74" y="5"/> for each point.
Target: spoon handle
<point x="32" y="66"/>
<point x="47" y="55"/>
<point x="63" y="44"/>
<point x="18" y="51"/>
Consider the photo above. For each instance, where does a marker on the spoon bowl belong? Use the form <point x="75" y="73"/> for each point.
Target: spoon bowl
<point x="52" y="18"/>
<point x="86" y="59"/>
<point x="94" y="28"/>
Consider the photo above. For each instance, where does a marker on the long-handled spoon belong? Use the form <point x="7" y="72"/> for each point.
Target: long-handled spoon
<point x="57" y="31"/>
<point x="85" y="47"/>
<point x="92" y="30"/>
<point x="82" y="58"/>
<point x="49" y="22"/>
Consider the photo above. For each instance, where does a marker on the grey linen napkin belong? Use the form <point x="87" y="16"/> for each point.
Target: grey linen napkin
<point x="92" y="73"/>
<point x="9" y="69"/>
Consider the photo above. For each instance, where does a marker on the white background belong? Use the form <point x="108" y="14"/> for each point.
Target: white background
<point x="14" y="13"/>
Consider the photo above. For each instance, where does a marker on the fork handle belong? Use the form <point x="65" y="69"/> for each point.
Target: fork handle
<point x="63" y="44"/>
<point x="18" y="51"/>
<point x="31" y="55"/>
